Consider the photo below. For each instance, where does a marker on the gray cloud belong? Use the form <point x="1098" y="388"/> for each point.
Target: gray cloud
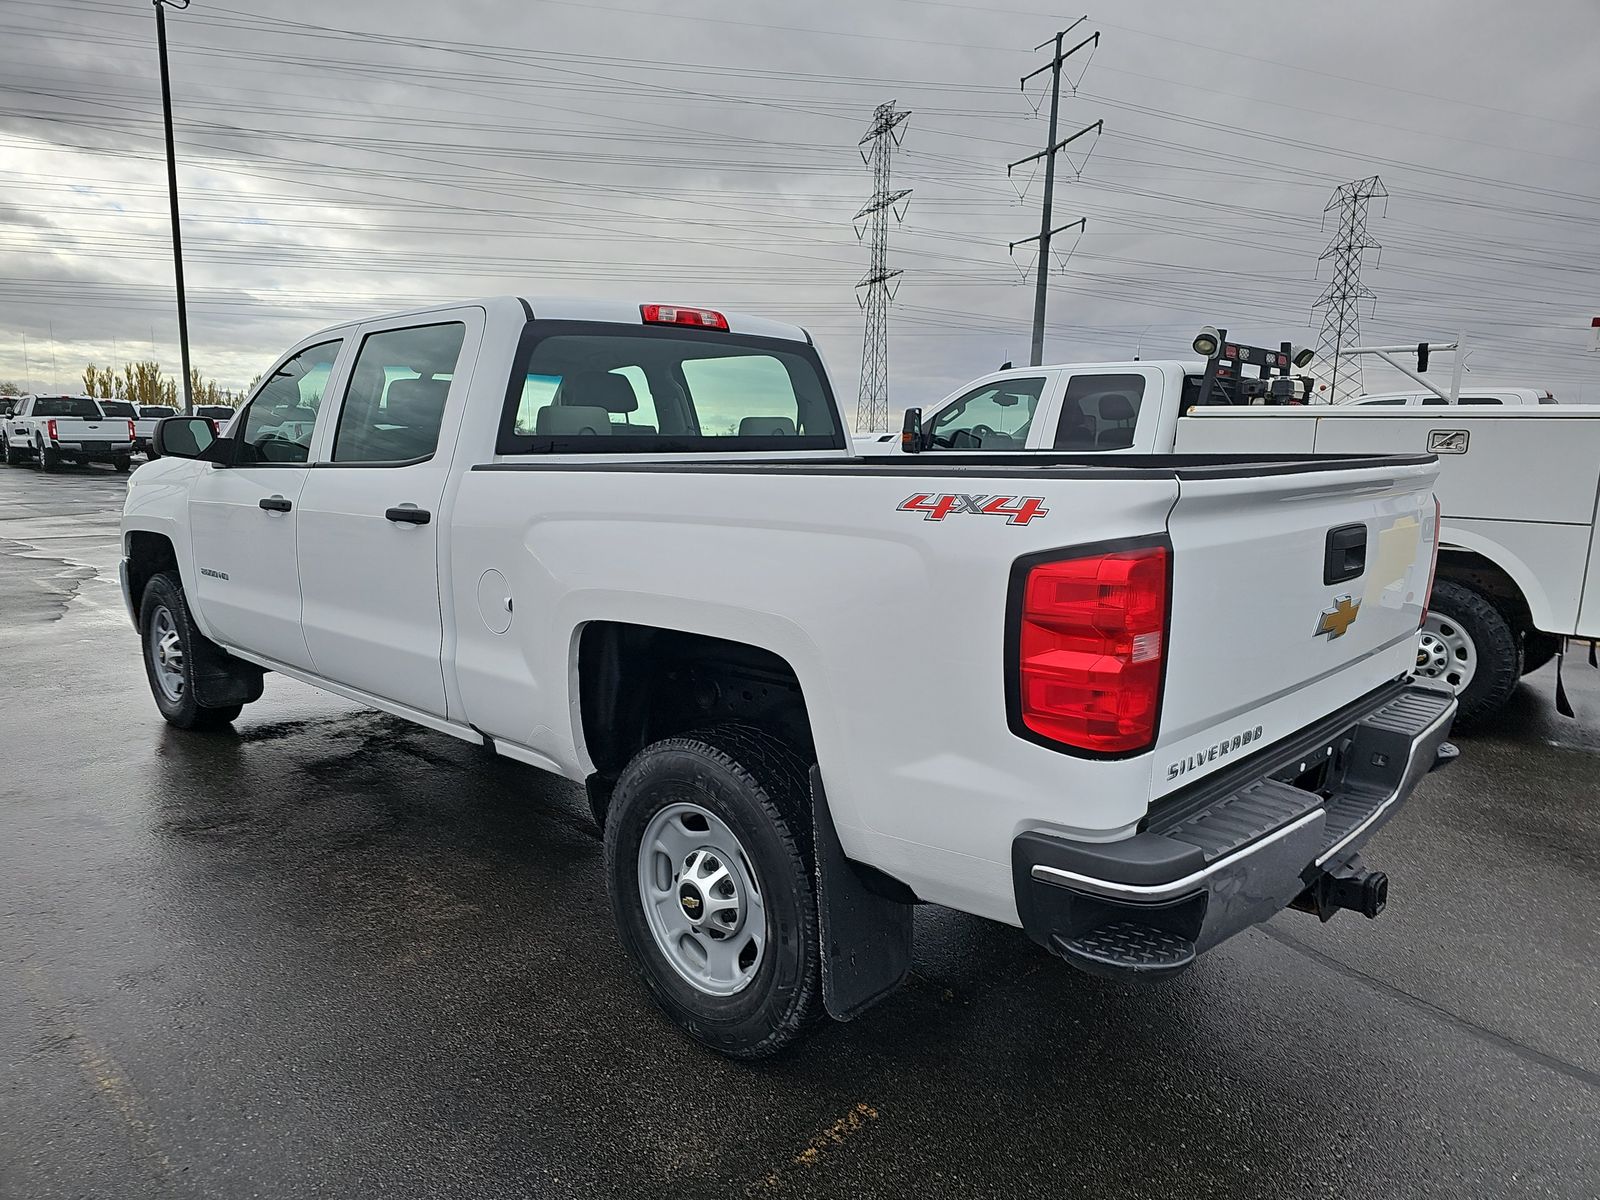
<point x="345" y="159"/>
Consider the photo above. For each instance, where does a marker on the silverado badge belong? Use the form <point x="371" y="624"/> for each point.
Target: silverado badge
<point x="1336" y="620"/>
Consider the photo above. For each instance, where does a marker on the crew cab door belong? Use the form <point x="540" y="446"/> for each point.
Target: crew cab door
<point x="242" y="513"/>
<point x="1107" y="411"/>
<point x="369" y="517"/>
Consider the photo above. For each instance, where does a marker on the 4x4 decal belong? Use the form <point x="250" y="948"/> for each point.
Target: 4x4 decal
<point x="1017" y="510"/>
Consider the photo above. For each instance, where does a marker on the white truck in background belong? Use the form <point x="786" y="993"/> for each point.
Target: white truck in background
<point x="51" y="430"/>
<point x="1518" y="487"/>
<point x="144" y="423"/>
<point x="1130" y="705"/>
<point x="1503" y="397"/>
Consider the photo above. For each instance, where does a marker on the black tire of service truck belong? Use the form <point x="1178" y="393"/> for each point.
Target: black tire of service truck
<point x="759" y="789"/>
<point x="164" y="595"/>
<point x="1538" y="649"/>
<point x="1499" y="652"/>
<point x="49" y="460"/>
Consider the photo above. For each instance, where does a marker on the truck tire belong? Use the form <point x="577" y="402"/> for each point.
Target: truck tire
<point x="49" y="460"/>
<point x="172" y="645"/>
<point x="1469" y="643"/>
<point x="1538" y="649"/>
<point x="120" y="465"/>
<point x="709" y="867"/>
<point x="11" y="456"/>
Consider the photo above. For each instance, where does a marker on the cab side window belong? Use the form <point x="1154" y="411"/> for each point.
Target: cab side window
<point x="1099" y="412"/>
<point x="995" y="416"/>
<point x="278" y="424"/>
<point x="394" y="406"/>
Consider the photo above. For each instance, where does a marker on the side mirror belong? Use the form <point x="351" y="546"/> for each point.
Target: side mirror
<point x="182" y="437"/>
<point x="911" y="432"/>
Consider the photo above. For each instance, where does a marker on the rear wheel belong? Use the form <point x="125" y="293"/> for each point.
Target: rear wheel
<point x="1468" y="643"/>
<point x="120" y="465"/>
<point x="709" y="870"/>
<point x="171" y="643"/>
<point x="49" y="460"/>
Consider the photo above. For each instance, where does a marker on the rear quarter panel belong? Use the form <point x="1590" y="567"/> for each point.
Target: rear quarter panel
<point x="893" y="623"/>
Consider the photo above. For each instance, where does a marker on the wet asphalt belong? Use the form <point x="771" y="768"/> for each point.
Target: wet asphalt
<point x="328" y="954"/>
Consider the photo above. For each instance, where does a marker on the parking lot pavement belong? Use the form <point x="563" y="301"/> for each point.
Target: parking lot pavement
<point x="328" y="954"/>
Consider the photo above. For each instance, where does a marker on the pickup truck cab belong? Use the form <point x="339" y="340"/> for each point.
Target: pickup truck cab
<point x="144" y="423"/>
<point x="1518" y="487"/>
<point x="1131" y="705"/>
<point x="51" y="430"/>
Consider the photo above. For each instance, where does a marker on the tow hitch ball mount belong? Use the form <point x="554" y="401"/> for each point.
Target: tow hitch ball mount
<point x="1350" y="886"/>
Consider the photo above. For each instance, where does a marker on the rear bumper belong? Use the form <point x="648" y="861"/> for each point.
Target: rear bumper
<point x="1236" y="848"/>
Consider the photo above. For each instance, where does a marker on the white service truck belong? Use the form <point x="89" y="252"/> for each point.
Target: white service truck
<point x="1518" y="487"/>
<point x="1132" y="706"/>
<point x="51" y="430"/>
<point x="144" y="423"/>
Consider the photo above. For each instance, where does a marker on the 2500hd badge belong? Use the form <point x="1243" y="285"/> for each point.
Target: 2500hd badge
<point x="1211" y="753"/>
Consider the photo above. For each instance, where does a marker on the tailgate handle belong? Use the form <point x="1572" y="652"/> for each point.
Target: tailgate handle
<point x="1346" y="555"/>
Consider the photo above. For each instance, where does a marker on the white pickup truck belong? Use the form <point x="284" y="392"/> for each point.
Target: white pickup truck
<point x="1518" y="487"/>
<point x="51" y="430"/>
<point x="144" y="423"/>
<point x="1131" y="706"/>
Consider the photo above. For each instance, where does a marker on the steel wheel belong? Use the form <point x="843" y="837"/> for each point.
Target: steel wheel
<point x="702" y="900"/>
<point x="1446" y="651"/>
<point x="165" y="649"/>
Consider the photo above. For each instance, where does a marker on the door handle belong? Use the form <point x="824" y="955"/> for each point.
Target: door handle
<point x="275" y="503"/>
<point x="409" y="515"/>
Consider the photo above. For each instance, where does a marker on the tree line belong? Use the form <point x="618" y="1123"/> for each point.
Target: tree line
<point x="145" y="383"/>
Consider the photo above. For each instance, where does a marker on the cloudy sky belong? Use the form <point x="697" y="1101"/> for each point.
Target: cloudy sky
<point x="347" y="157"/>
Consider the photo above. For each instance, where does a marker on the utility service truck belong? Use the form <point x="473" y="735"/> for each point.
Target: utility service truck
<point x="1133" y="705"/>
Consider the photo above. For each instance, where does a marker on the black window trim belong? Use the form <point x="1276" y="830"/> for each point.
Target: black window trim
<point x="508" y="442"/>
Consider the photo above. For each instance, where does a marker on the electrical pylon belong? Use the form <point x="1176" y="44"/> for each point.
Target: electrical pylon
<point x="1340" y="376"/>
<point x="872" y="402"/>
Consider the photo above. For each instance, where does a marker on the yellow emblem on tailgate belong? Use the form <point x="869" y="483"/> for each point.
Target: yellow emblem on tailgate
<point x="1337" y="620"/>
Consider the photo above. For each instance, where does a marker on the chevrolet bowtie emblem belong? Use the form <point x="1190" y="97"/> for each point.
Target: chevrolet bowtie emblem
<point x="1336" y="620"/>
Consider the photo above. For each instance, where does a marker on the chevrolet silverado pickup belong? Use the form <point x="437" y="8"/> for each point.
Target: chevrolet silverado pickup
<point x="1132" y="705"/>
<point x="51" y="430"/>
<point x="1519" y="486"/>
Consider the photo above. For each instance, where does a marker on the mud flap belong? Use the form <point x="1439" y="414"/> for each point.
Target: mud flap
<point x="866" y="936"/>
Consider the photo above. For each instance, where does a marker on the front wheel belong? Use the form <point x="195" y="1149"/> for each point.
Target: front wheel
<point x="1468" y="643"/>
<point x="708" y="865"/>
<point x="170" y="644"/>
<point x="11" y="456"/>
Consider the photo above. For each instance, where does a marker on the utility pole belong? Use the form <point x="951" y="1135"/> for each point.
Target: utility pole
<point x="1051" y="149"/>
<point x="872" y="402"/>
<point x="172" y="193"/>
<point x="1340" y="373"/>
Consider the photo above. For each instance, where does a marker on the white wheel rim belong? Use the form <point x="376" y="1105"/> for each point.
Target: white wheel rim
<point x="1446" y="651"/>
<point x="702" y="899"/>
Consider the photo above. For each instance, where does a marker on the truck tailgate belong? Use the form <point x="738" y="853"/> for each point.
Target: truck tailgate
<point x="1293" y="594"/>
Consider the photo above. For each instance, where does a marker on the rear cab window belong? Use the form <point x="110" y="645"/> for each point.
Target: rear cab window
<point x="117" y="408"/>
<point x="66" y="406"/>
<point x="588" y="388"/>
<point x="1100" y="412"/>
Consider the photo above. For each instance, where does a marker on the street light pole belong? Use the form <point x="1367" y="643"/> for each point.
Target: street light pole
<point x="172" y="193"/>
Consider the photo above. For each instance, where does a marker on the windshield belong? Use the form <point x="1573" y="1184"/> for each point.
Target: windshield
<point x="117" y="408"/>
<point x="157" y="410"/>
<point x="66" y="406"/>
<point x="590" y="388"/>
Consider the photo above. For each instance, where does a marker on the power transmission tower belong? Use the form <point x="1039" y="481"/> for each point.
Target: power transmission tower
<point x="872" y="402"/>
<point x="1340" y="375"/>
<point x="1051" y="149"/>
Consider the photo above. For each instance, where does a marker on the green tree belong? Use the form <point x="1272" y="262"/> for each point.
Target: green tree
<point x="7" y="388"/>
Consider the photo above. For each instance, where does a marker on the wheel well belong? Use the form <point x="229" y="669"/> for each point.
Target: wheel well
<point x="149" y="554"/>
<point x="638" y="684"/>
<point x="1491" y="581"/>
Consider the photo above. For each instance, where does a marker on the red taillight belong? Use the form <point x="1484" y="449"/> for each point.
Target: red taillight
<point x="50" y="431"/>
<point x="1090" y="647"/>
<point x="132" y="433"/>
<point x="671" y="314"/>
<point x="1433" y="567"/>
